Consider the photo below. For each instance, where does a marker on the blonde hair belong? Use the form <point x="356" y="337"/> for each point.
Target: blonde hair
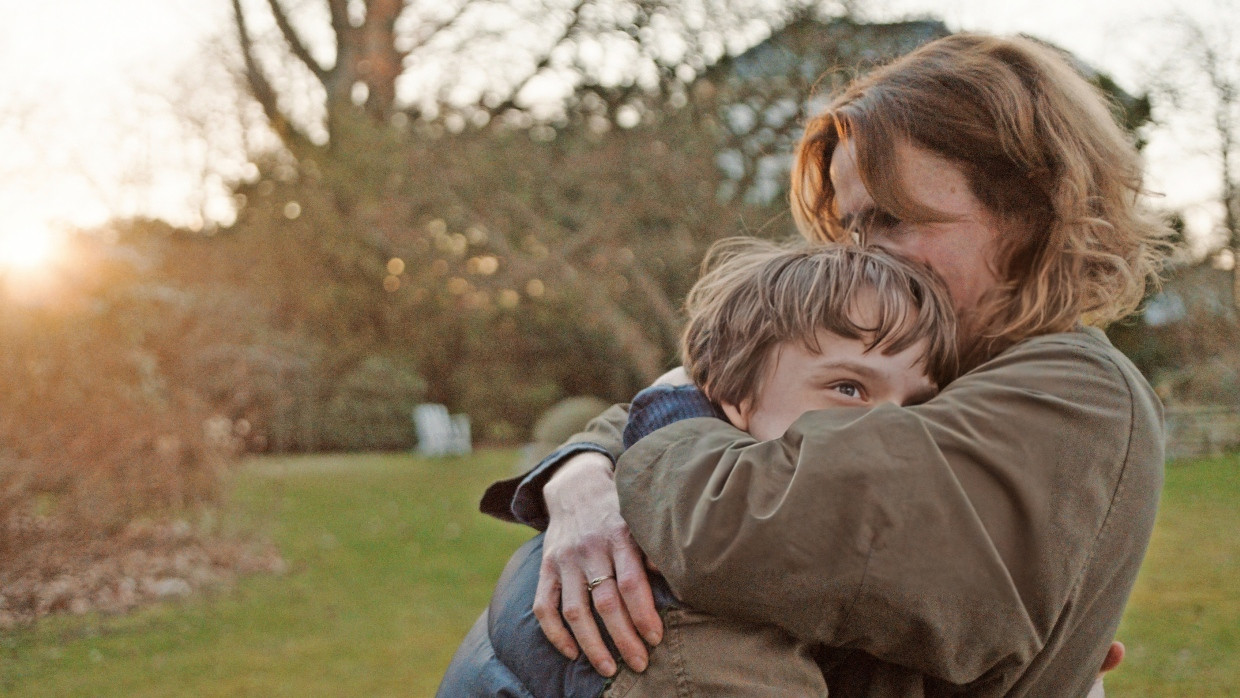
<point x="1040" y="150"/>
<point x="755" y="294"/>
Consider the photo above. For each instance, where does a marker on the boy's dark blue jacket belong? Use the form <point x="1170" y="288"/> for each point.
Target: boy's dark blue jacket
<point x="505" y="652"/>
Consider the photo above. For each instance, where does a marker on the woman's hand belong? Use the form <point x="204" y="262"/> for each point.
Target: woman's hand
<point x="588" y="540"/>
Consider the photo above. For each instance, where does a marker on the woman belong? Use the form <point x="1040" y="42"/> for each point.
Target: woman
<point x="984" y="541"/>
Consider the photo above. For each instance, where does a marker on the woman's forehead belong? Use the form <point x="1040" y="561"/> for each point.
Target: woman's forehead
<point x="914" y="184"/>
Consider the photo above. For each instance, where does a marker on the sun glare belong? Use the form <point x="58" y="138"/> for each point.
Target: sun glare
<point x="27" y="249"/>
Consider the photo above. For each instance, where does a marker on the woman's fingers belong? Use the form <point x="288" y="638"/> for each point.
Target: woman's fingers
<point x="611" y="608"/>
<point x="1115" y="655"/>
<point x="562" y="599"/>
<point x="634" y="587"/>
<point x="622" y="598"/>
<point x="547" y="610"/>
<point x="577" y="611"/>
<point x="586" y="540"/>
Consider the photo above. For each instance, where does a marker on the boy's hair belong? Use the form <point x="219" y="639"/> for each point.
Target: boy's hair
<point x="755" y="294"/>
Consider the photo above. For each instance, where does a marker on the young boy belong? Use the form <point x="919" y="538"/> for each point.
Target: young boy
<point x="774" y="331"/>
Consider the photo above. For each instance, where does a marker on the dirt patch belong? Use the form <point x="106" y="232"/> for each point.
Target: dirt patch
<point x="46" y="569"/>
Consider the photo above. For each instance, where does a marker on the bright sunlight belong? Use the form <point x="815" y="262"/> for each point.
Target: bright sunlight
<point x="27" y="248"/>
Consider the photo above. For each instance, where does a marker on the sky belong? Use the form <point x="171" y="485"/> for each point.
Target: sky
<point x="85" y="105"/>
<point x="81" y="80"/>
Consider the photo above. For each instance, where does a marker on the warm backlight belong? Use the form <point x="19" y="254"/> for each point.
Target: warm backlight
<point x="26" y="249"/>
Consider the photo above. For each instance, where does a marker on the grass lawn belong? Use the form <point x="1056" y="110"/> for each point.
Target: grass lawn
<point x="1182" y="627"/>
<point x="389" y="565"/>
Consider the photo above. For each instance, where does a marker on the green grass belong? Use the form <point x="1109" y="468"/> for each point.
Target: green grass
<point x="1182" y="628"/>
<point x="390" y="563"/>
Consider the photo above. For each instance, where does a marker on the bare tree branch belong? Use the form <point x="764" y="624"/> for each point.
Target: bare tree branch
<point x="339" y="80"/>
<point x="612" y="97"/>
<point x="643" y="351"/>
<point x="296" y="45"/>
<point x="1209" y="57"/>
<point x="339" y="11"/>
<point x="437" y="27"/>
<point x="569" y="29"/>
<point x="261" y="88"/>
<point x="654" y="293"/>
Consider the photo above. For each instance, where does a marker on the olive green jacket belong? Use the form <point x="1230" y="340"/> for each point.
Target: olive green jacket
<point x="984" y="542"/>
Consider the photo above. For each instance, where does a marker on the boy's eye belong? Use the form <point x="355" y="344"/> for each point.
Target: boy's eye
<point x="848" y="389"/>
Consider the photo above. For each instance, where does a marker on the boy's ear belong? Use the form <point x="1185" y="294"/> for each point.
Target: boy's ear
<point x="738" y="416"/>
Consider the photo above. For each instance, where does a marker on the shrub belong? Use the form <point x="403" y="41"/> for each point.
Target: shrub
<point x="567" y="417"/>
<point x="95" y="433"/>
<point x="372" y="406"/>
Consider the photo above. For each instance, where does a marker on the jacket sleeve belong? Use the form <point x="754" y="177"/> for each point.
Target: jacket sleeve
<point x="520" y="499"/>
<point x="945" y="537"/>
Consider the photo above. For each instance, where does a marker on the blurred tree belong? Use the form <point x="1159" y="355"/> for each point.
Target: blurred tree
<point x="1201" y="80"/>
<point x="95" y="427"/>
<point x="312" y="65"/>
<point x="516" y="255"/>
<point x="425" y="224"/>
<point x="510" y="268"/>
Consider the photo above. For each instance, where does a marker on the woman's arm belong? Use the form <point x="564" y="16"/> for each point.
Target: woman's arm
<point x="571" y="495"/>
<point x="586" y="535"/>
<point x="520" y="499"/>
<point x="586" y="540"/>
<point x="980" y="531"/>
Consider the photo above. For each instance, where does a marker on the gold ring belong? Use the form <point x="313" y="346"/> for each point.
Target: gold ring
<point x="597" y="581"/>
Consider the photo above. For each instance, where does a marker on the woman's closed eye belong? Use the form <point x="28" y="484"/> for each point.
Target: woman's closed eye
<point x="872" y="222"/>
<point x="883" y="220"/>
<point x="884" y="226"/>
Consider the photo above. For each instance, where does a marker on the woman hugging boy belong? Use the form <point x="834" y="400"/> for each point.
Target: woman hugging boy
<point x="774" y="331"/>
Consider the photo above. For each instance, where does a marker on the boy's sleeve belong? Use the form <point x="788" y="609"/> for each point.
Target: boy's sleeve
<point x="520" y="500"/>
<point x="661" y="405"/>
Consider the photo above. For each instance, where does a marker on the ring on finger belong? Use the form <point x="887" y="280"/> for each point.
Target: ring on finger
<point x="590" y="585"/>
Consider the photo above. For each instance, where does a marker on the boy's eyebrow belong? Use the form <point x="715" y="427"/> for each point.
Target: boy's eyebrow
<point x="861" y="369"/>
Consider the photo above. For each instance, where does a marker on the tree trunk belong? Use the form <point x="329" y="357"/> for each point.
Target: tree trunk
<point x="381" y="61"/>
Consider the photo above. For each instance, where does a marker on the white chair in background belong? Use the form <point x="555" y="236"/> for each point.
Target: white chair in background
<point x="441" y="434"/>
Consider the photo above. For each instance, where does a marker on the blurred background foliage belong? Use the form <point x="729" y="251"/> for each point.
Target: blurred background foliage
<point x="463" y="243"/>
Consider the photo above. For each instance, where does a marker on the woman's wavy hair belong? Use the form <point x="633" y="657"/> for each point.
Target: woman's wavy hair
<point x="1041" y="151"/>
